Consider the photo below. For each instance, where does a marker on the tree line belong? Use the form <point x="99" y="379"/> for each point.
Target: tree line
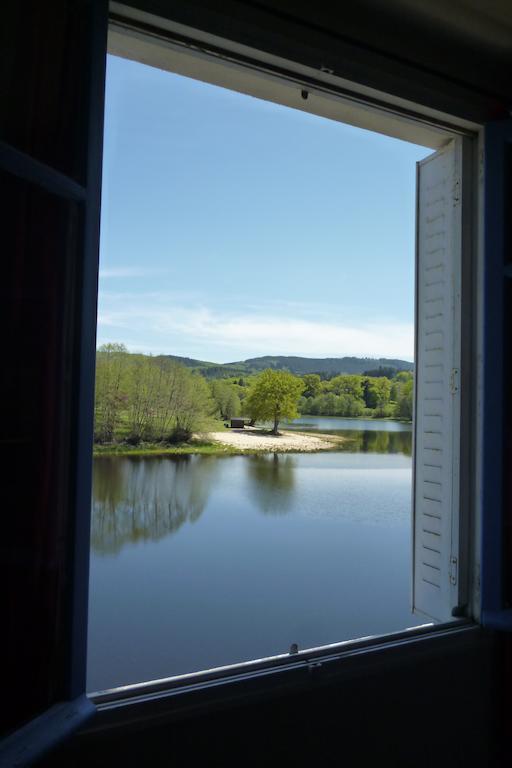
<point x="351" y="395"/>
<point x="144" y="398"/>
<point x="358" y="395"/>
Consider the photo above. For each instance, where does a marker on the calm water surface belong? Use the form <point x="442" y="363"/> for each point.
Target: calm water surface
<point x="201" y="561"/>
<point x="339" y="424"/>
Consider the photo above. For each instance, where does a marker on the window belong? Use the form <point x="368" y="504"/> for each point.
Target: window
<point x="444" y="202"/>
<point x="70" y="402"/>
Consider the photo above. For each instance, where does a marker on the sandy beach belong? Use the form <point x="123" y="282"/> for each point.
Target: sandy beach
<point x="252" y="438"/>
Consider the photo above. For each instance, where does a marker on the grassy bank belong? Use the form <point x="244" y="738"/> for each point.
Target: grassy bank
<point x="198" y="446"/>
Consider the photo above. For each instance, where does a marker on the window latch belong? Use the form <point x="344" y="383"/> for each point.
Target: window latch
<point x="456" y="192"/>
<point x="453" y="570"/>
<point x="454" y="381"/>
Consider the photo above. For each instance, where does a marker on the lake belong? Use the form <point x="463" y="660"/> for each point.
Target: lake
<point x="202" y="561"/>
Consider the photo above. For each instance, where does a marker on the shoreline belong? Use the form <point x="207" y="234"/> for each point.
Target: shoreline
<point x="253" y="439"/>
<point x="230" y="443"/>
<point x="212" y="442"/>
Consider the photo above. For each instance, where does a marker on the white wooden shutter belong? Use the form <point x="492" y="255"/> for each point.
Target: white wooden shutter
<point x="437" y="384"/>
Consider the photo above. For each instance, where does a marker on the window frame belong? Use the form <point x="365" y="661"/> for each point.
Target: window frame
<point x="172" y="699"/>
<point x="130" y="31"/>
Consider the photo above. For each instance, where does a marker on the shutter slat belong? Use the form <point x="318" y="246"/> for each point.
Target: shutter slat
<point x="430" y="575"/>
<point x="431" y="557"/>
<point x="435" y="495"/>
<point x="433" y="357"/>
<point x="431" y="524"/>
<point x="432" y="473"/>
<point x="431" y="540"/>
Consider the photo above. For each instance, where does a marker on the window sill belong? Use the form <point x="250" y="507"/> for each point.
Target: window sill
<point x="154" y="702"/>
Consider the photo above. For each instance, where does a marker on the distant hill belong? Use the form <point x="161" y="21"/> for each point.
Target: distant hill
<point x="189" y="362"/>
<point x="329" y="366"/>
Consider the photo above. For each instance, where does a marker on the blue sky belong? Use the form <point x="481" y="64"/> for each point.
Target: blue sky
<point x="233" y="227"/>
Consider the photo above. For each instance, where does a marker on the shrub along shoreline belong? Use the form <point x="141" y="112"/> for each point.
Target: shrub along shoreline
<point x="204" y="448"/>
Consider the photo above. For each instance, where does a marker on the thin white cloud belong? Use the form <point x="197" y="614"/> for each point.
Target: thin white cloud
<point x="119" y="272"/>
<point x="166" y="327"/>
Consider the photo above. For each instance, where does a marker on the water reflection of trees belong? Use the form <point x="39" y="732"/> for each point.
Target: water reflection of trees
<point x="139" y="500"/>
<point x="272" y="482"/>
<point x="148" y="499"/>
<point x="378" y="442"/>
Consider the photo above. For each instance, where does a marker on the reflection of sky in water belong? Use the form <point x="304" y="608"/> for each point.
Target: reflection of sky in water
<point x="337" y="423"/>
<point x="352" y="495"/>
<point x="204" y="561"/>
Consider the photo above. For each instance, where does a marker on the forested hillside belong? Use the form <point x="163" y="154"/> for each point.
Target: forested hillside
<point x="325" y="367"/>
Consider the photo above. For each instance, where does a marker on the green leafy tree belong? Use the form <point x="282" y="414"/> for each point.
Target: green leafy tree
<point x="311" y="384"/>
<point x="378" y="391"/>
<point x="111" y="395"/>
<point x="330" y="404"/>
<point x="404" y="400"/>
<point x="350" y="406"/>
<point x="193" y="402"/>
<point x="404" y="376"/>
<point x="226" y="398"/>
<point x="140" y="397"/>
<point x="273" y="397"/>
<point x="347" y="385"/>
